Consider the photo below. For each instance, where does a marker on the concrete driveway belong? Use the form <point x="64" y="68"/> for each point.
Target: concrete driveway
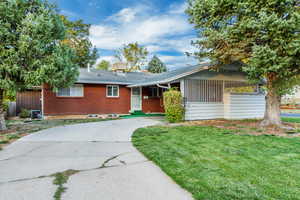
<point x="107" y="166"/>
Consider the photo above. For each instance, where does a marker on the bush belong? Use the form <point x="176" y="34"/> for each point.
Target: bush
<point x="5" y="105"/>
<point x="173" y="105"/>
<point x="24" y="113"/>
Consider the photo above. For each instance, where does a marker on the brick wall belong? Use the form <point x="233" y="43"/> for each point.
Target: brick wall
<point x="93" y="102"/>
<point x="96" y="102"/>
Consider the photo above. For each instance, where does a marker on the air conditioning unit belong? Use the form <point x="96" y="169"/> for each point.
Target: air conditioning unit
<point x="36" y="114"/>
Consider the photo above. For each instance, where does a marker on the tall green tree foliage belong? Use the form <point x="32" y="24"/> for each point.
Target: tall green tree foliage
<point x="77" y="37"/>
<point x="133" y="55"/>
<point x="103" y="65"/>
<point x="31" y="52"/>
<point x="264" y="34"/>
<point x="156" y="65"/>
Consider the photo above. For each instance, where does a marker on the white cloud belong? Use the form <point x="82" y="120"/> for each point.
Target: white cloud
<point x="124" y="16"/>
<point x="178" y="8"/>
<point x="170" y="31"/>
<point x="183" y="44"/>
<point x="155" y="48"/>
<point x="174" y="62"/>
<point x="147" y="31"/>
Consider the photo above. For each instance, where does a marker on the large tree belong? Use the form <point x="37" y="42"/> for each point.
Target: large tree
<point x="133" y="55"/>
<point x="31" y="51"/>
<point x="156" y="65"/>
<point x="77" y="37"/>
<point x="264" y="34"/>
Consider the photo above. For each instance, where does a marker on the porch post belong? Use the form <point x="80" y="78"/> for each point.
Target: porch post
<point x="182" y="87"/>
<point x="183" y="96"/>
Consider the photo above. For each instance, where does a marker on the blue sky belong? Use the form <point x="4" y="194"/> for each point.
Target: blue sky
<point x="159" y="25"/>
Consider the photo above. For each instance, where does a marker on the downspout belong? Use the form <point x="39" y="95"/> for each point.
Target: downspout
<point x="42" y="101"/>
<point x="88" y="68"/>
<point x="165" y="87"/>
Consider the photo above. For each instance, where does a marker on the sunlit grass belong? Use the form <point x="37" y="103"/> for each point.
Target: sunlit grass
<point x="214" y="164"/>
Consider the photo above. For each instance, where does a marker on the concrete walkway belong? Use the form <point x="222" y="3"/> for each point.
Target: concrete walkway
<point x="108" y="166"/>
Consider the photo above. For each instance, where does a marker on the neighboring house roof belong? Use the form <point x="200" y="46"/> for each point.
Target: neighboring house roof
<point x="133" y="79"/>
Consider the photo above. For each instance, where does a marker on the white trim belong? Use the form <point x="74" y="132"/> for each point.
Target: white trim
<point x="182" y="87"/>
<point x="42" y="102"/>
<point x="164" y="87"/>
<point x="82" y="88"/>
<point x="141" y="99"/>
<point x="109" y="96"/>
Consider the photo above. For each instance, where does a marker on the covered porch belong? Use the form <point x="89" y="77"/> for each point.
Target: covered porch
<point x="212" y="99"/>
<point x="149" y="98"/>
<point x="208" y="93"/>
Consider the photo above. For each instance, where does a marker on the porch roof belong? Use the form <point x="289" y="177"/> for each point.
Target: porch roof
<point x="173" y="75"/>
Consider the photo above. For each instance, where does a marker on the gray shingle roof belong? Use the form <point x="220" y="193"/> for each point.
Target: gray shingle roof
<point x="109" y="77"/>
<point x="135" y="78"/>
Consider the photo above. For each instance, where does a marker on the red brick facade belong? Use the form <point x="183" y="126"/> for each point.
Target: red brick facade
<point x="95" y="101"/>
<point x="151" y="105"/>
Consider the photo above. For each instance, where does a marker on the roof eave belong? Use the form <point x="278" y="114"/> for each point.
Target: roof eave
<point x="170" y="79"/>
<point x="103" y="82"/>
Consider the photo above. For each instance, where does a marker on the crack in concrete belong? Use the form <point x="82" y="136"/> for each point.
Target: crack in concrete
<point x="123" y="162"/>
<point x="108" y="160"/>
<point x="79" y="171"/>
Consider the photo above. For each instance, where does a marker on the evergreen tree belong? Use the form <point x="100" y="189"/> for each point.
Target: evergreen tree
<point x="264" y="34"/>
<point x="156" y="65"/>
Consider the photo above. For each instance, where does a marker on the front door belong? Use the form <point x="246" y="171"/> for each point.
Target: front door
<point x="136" y="99"/>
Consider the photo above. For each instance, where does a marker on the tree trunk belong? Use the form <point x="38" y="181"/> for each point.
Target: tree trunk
<point x="273" y="100"/>
<point x="2" y="112"/>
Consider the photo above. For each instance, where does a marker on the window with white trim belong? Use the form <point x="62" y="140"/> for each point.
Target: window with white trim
<point x="112" y="91"/>
<point x="74" y="91"/>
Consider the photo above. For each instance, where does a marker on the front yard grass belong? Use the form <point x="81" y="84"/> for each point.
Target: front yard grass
<point x="216" y="164"/>
<point x="291" y="119"/>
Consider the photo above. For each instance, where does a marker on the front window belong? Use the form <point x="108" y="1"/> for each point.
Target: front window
<point x="74" y="91"/>
<point x="154" y="92"/>
<point x="112" y="91"/>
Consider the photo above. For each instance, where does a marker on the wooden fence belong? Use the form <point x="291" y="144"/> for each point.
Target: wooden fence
<point x="30" y="100"/>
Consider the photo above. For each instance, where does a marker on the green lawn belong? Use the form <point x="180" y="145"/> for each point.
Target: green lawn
<point x="214" y="164"/>
<point x="291" y="119"/>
